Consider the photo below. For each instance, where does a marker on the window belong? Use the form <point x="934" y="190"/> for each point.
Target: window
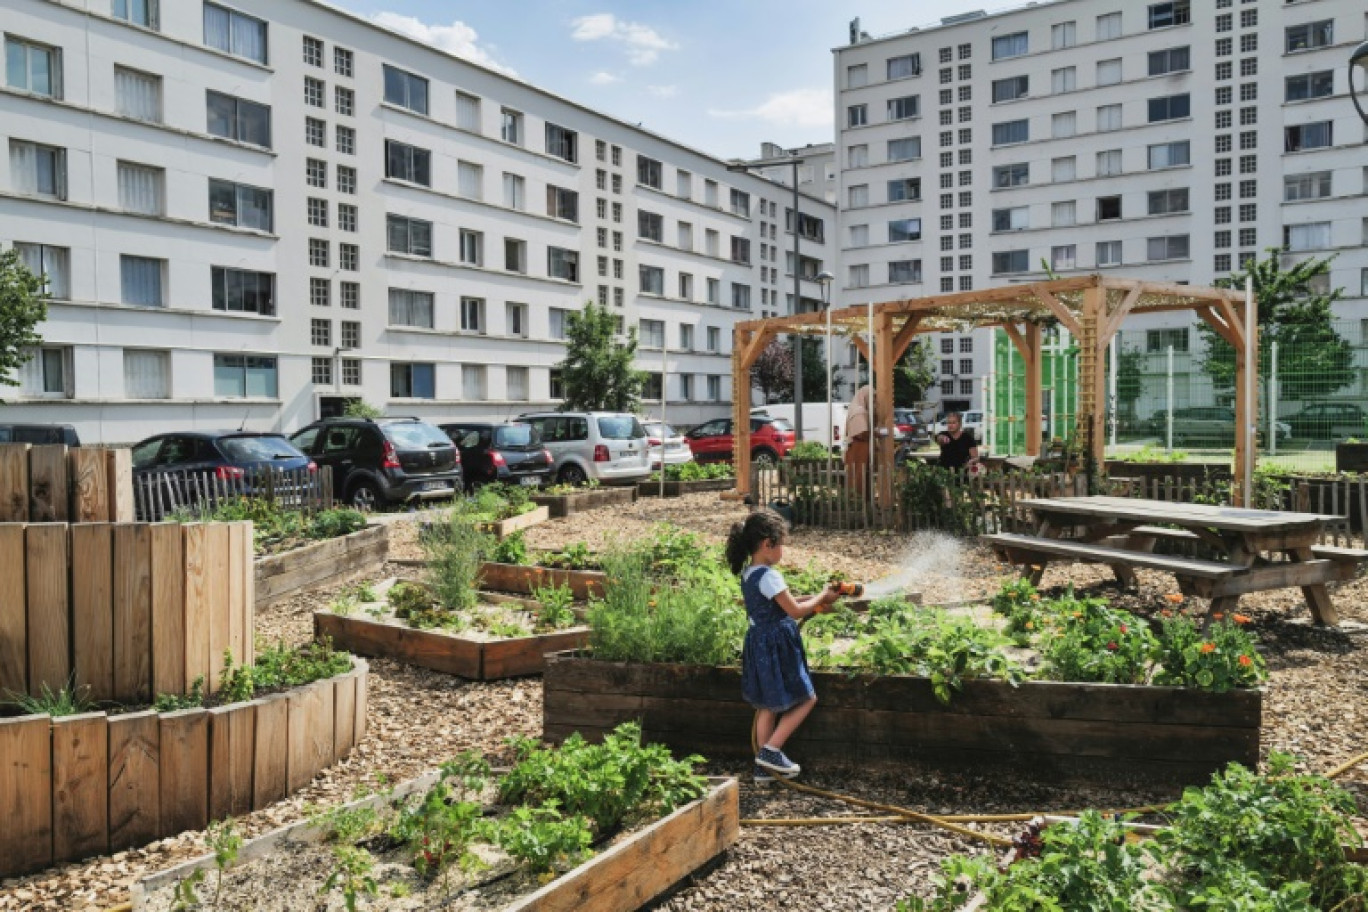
<point x="686" y="286"/>
<point x="1167" y="202"/>
<point x="1309" y="136"/>
<point x="53" y="264"/>
<point x="316" y="173"/>
<point x="1108" y="208"/>
<point x="857" y="115"/>
<point x="1013" y="219"/>
<point x="515" y="255"/>
<point x="314" y="90"/>
<point x="1063" y="169"/>
<point x="348" y="257"/>
<point x="1015" y="175"/>
<point x="562" y="203"/>
<point x="346" y="140"/>
<point x="1170" y="155"/>
<point x="346" y="179"/>
<point x="318" y="252"/>
<point x="406" y="90"/>
<point x="1012" y="131"/>
<point x="907" y="188"/>
<point x="235" y="33"/>
<point x="411" y="308"/>
<point x="320" y="292"/>
<point x="904" y="108"/>
<point x="1172" y="247"/>
<point x="651" y="226"/>
<point x="408" y="235"/>
<point x="138" y="12"/>
<point x="472" y="247"/>
<point x="238" y="290"/>
<point x="408" y="163"/>
<point x="1108" y="118"/>
<point x="147" y="374"/>
<point x="740" y="250"/>
<point x="1009" y="89"/>
<point x="562" y="264"/>
<point x="47" y="374"/>
<point x="1013" y="45"/>
<point x="1063" y="214"/>
<point x="346" y="216"/>
<point x="741" y="296"/>
<point x="1163" y="15"/>
<point x="901" y="272"/>
<point x="1169" y="107"/>
<point x="904" y="149"/>
<point x="740" y="203"/>
<point x="857" y="76"/>
<point x="350" y="295"/>
<point x="649" y="172"/>
<point x="315" y="132"/>
<point x="239" y="119"/>
<point x="652" y="333"/>
<point x="903" y="66"/>
<point x="1109" y="163"/>
<point x="685" y="236"/>
<point x="138" y="95"/>
<point x="344" y="101"/>
<point x="1108" y="253"/>
<point x="1064" y="79"/>
<point x="1310" y="85"/>
<point x="343" y="61"/>
<point x="1063" y="125"/>
<point x="33" y="67"/>
<point x="1311" y="236"/>
<point x="142" y="189"/>
<point x="321" y="372"/>
<point x="1108" y="26"/>
<point x="714" y="339"/>
<point x="561" y="142"/>
<point x="1159" y="340"/>
<point x="313" y="51"/>
<point x="318" y="212"/>
<point x="320" y="332"/>
<point x="1011" y="261"/>
<point x="1306" y="186"/>
<point x="1310" y="35"/>
<point x="240" y="205"/>
<point x="467" y="112"/>
<point x="412" y="381"/>
<point x="909" y="229"/>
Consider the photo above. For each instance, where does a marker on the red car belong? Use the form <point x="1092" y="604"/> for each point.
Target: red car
<point x="771" y="439"/>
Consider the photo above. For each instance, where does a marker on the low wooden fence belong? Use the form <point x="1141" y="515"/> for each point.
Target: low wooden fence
<point x="127" y="610"/>
<point x="60" y="484"/>
<point x="159" y="494"/>
<point x="92" y="784"/>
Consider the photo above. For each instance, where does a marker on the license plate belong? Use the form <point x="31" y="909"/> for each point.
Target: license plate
<point x="435" y="485"/>
<point x="531" y="481"/>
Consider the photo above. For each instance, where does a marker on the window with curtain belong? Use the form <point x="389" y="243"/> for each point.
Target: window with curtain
<point x="147" y="374"/>
<point x="468" y="112"/>
<point x="1108" y="162"/>
<point x="410" y="308"/>
<point x="516" y="384"/>
<point x="137" y="94"/>
<point x="408" y="163"/>
<point x="47" y="374"/>
<point x="473" y="382"/>
<point x="138" y="12"/>
<point x="470" y="180"/>
<point x="240" y="205"/>
<point x="142" y="189"/>
<point x="858" y="156"/>
<point x="413" y="381"/>
<point x="1063" y="125"/>
<point x="52" y="263"/>
<point x="234" y="33"/>
<point x="515" y="193"/>
<point x="1109" y="71"/>
<point x="411" y="236"/>
<point x="1108" y="117"/>
<point x="37" y="170"/>
<point x="244" y="376"/>
<point x="1312" y="236"/>
<point x="1063" y="169"/>
<point x="141" y="281"/>
<point x="1064" y="214"/>
<point x="406" y="90"/>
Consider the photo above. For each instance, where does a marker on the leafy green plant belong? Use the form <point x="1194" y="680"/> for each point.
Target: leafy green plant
<point x="364" y="591"/>
<point x="455" y="551"/>
<point x="347" y="825"/>
<point x="1018" y="601"/>
<point x="169" y="702"/>
<point x="1089" y="641"/>
<point x="509" y="630"/>
<point x="511" y="549"/>
<point x="809" y="449"/>
<point x="541" y="837"/>
<point x="225" y="842"/>
<point x="68" y="700"/>
<point x="237" y="684"/>
<point x="352" y="872"/>
<point x="439" y="828"/>
<point x="553" y="609"/>
<point x="1224" y="659"/>
<point x="574" y="556"/>
<point x="186" y="894"/>
<point x="696" y="471"/>
<point x="281" y="666"/>
<point x="336" y="523"/>
<point x="1153" y="454"/>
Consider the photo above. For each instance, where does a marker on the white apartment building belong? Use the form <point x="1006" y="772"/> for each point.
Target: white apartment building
<point x="816" y="167"/>
<point x="1168" y="141"/>
<point x="251" y="211"/>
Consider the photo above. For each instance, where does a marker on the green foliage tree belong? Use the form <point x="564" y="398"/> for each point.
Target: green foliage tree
<point x="914" y="372"/>
<point x="814" y="372"/>
<point x="23" y="305"/>
<point x="1130" y="381"/>
<point x="772" y="372"/>
<point x="1296" y="316"/>
<point x="598" y="372"/>
<point x="360" y="408"/>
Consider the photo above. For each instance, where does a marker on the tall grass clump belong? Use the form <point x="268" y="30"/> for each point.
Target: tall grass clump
<point x="455" y="550"/>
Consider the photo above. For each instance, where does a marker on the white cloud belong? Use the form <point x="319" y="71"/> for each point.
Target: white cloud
<point x="458" y="38"/>
<point x="603" y="78"/>
<point x="668" y="91"/>
<point x="643" y="44"/>
<point x="798" y="108"/>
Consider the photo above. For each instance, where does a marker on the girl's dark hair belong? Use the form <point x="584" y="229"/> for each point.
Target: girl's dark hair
<point x="744" y="538"/>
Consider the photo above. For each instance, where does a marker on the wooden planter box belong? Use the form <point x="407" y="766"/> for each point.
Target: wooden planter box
<point x="506" y="527"/>
<point x="1351" y="457"/>
<point x="1098" y="733"/>
<point x="449" y="653"/>
<point x="336" y="560"/>
<point x="623" y="878"/>
<point x="679" y="488"/>
<point x="562" y="505"/>
<point x="92" y="784"/>
<point x="520" y="579"/>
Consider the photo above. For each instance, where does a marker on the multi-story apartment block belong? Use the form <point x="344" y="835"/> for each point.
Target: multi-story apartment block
<point x="816" y="167"/>
<point x="251" y="211"/>
<point x="1169" y="141"/>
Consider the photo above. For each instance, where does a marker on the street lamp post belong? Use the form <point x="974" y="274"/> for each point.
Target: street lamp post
<point x="1358" y="61"/>
<point x="825" y="278"/>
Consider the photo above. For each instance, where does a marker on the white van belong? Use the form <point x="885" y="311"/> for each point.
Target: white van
<point x="815" y="425"/>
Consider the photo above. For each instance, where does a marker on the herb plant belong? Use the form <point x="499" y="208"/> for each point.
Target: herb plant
<point x="553" y="609"/>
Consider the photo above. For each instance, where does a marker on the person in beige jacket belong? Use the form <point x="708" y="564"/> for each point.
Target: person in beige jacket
<point x="857" y="428"/>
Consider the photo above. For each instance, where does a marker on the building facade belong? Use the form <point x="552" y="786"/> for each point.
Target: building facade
<point x="1167" y="141"/>
<point x="250" y="212"/>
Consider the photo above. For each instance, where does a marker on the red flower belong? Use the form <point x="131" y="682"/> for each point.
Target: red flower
<point x="1112" y="645"/>
<point x="1123" y="628"/>
<point x="1246" y="661"/>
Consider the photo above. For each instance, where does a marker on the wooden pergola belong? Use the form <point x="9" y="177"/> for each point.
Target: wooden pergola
<point x="1092" y="308"/>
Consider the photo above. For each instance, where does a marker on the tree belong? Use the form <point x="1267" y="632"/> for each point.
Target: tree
<point x="23" y="305"/>
<point x="772" y="372"/>
<point x="1130" y="382"/>
<point x="814" y="372"/>
<point x="598" y="372"/>
<point x="914" y="372"/>
<point x="1296" y="316"/>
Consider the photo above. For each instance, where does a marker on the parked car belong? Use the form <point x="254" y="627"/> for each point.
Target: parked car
<point x="510" y="452"/>
<point x="1212" y="424"/>
<point x="1323" y="420"/>
<point x="170" y="468"/>
<point x="609" y="447"/>
<point x="380" y="461"/>
<point x="771" y="439"/>
<point x="815" y="415"/>
<point x="663" y="438"/>
<point x="909" y="428"/>
<point x="39" y="434"/>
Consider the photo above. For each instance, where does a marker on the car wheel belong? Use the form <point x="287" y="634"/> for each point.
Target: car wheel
<point x="365" y="496"/>
<point x="765" y="458"/>
<point x="572" y="474"/>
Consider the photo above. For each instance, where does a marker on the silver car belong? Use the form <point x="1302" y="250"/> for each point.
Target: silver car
<point x="665" y="440"/>
<point x="608" y="447"/>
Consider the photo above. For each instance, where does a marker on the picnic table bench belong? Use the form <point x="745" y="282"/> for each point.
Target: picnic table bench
<point x="1257" y="550"/>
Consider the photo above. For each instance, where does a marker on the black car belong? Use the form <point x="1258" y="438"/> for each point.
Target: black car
<point x="39" y="434"/>
<point x="175" y="469"/>
<point x="509" y="452"/>
<point x="379" y="461"/>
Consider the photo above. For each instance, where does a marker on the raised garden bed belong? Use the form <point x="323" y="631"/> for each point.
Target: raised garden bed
<point x="680" y="488"/>
<point x="1101" y="733"/>
<point x="95" y="783"/>
<point x="523" y="579"/>
<point x="372" y="629"/>
<point x="562" y="505"/>
<point x="504" y="527"/>
<point x="335" y="560"/>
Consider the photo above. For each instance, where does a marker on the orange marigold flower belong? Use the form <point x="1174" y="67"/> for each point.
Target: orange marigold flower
<point x="1035" y="597"/>
<point x="1174" y="597"/>
<point x="1208" y="647"/>
<point x="1078" y="614"/>
<point x="1165" y="612"/>
<point x="651" y="603"/>
<point x="1240" y="618"/>
<point x="1246" y="661"/>
<point x="1030" y="625"/>
<point x="1218" y="616"/>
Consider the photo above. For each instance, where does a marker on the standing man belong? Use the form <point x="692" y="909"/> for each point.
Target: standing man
<point x="857" y="440"/>
<point x="958" y="448"/>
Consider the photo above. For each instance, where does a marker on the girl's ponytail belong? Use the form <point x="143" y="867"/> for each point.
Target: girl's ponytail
<point x="736" y="551"/>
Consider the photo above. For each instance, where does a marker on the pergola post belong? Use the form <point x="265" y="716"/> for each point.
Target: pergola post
<point x="1246" y="376"/>
<point x="883" y="406"/>
<point x="1091" y="379"/>
<point x="741" y="340"/>
<point x="1027" y="343"/>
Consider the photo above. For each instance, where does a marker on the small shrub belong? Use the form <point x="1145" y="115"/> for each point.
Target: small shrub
<point x="1226" y="658"/>
<point x="553" y="609"/>
<point x="511" y="549"/>
<point x="1091" y="642"/>
<point x="336" y="523"/>
<point x="68" y="700"/>
<point x="455" y="552"/>
<point x="809" y="449"/>
<point x="168" y="702"/>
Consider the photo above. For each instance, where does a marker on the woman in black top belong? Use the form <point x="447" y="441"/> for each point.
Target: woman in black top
<point x="958" y="448"/>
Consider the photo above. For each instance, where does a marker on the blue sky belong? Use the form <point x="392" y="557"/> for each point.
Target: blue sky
<point x="720" y="76"/>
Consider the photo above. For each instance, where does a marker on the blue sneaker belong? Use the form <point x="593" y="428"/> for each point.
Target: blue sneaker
<point x="775" y="761"/>
<point x="765" y="777"/>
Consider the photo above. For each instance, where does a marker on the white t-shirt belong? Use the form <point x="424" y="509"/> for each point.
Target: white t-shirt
<point x="771" y="584"/>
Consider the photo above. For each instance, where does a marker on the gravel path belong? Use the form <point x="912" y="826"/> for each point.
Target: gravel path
<point x="1316" y="706"/>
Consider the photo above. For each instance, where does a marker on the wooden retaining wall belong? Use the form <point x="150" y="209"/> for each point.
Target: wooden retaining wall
<point x="78" y="786"/>
<point x="1050" y="731"/>
<point x="335" y="560"/>
<point x="53" y="483"/>
<point x="562" y="505"/>
<point x="523" y="579"/>
<point x="127" y="610"/>
<point x="679" y="488"/>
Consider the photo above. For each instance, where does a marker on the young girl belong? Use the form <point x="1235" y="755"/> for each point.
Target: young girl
<point x="774" y="672"/>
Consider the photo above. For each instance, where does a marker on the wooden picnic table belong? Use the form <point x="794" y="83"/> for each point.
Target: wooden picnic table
<point x="1256" y="550"/>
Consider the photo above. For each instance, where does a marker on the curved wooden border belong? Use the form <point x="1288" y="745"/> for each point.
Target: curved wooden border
<point x="334" y="560"/>
<point x="77" y="786"/>
<point x="562" y="505"/>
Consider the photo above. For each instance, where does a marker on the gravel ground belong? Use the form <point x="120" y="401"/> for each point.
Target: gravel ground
<point x="1316" y="707"/>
